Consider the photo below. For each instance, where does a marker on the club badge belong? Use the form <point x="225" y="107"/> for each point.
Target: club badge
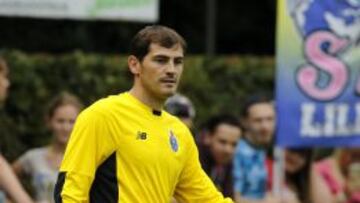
<point x="173" y="142"/>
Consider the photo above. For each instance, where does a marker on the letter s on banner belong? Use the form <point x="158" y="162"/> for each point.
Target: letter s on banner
<point x="326" y="60"/>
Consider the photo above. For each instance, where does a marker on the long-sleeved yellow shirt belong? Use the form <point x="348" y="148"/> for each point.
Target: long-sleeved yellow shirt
<point x="121" y="150"/>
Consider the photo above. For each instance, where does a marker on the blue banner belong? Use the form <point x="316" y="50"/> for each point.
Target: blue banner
<point x="318" y="73"/>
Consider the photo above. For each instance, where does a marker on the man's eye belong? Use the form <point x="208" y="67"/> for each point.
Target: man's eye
<point x="160" y="60"/>
<point x="178" y="61"/>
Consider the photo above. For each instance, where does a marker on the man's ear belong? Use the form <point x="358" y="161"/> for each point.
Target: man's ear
<point x="134" y="65"/>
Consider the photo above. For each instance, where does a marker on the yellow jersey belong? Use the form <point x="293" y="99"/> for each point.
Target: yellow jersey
<point x="121" y="150"/>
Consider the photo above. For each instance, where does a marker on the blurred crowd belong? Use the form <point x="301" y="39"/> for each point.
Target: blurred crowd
<point x="235" y="150"/>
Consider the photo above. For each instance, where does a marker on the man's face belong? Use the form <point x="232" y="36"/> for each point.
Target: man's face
<point x="160" y="70"/>
<point x="260" y="123"/>
<point x="223" y="143"/>
<point x="4" y="84"/>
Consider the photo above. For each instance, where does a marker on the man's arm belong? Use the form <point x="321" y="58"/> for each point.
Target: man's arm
<point x="194" y="185"/>
<point x="89" y="145"/>
<point x="10" y="183"/>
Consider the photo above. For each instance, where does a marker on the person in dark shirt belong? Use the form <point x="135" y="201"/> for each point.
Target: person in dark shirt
<point x="221" y="135"/>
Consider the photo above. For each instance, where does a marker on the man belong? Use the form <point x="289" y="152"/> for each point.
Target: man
<point x="250" y="170"/>
<point x="217" y="151"/>
<point x="8" y="181"/>
<point x="125" y="148"/>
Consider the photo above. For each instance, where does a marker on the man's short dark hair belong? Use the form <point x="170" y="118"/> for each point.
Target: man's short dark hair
<point x="157" y="34"/>
<point x="215" y="121"/>
<point x="252" y="100"/>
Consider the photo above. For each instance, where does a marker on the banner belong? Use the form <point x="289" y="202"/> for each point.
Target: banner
<point x="318" y="73"/>
<point x="130" y="10"/>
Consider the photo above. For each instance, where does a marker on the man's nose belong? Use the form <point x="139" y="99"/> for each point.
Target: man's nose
<point x="229" y="149"/>
<point x="265" y="123"/>
<point x="171" y="68"/>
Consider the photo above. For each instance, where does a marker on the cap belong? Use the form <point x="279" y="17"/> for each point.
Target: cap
<point x="180" y="106"/>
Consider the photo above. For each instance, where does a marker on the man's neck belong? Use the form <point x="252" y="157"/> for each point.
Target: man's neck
<point x="149" y="100"/>
<point x="249" y="138"/>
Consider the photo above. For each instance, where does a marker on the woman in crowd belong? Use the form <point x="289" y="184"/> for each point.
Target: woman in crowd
<point x="9" y="184"/>
<point x="341" y="172"/>
<point x="302" y="184"/>
<point x="42" y="164"/>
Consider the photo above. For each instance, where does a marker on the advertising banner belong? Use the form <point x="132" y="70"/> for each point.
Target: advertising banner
<point x="318" y="73"/>
<point x="128" y="10"/>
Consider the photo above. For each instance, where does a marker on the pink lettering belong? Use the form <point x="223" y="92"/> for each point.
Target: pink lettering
<point x="308" y="75"/>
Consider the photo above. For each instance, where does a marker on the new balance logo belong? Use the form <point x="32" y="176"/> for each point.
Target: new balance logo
<point x="141" y="135"/>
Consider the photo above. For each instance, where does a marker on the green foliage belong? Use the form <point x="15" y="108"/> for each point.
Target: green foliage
<point x="221" y="84"/>
<point x="214" y="85"/>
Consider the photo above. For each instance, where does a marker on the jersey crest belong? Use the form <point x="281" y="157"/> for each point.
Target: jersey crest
<point x="173" y="141"/>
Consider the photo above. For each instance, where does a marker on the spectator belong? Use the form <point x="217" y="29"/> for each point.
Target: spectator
<point x="302" y="185"/>
<point x="341" y="175"/>
<point x="218" y="149"/>
<point x="8" y="181"/>
<point x="42" y="164"/>
<point x="352" y="175"/>
<point x="181" y="107"/>
<point x="4" y="80"/>
<point x="250" y="174"/>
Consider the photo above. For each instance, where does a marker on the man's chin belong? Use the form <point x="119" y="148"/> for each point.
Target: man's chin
<point x="169" y="93"/>
<point x="164" y="93"/>
<point x="223" y="161"/>
<point x="260" y="144"/>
